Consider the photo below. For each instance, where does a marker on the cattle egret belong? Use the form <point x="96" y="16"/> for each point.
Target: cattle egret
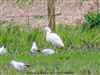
<point x="34" y="47"/>
<point x="48" y="51"/>
<point x="19" y="65"/>
<point x="53" y="38"/>
<point x="3" y="50"/>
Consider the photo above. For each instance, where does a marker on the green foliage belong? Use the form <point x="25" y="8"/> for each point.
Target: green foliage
<point x="39" y="17"/>
<point x="74" y="58"/>
<point x="75" y="39"/>
<point x="68" y="63"/>
<point x="24" y="2"/>
<point x="15" y="35"/>
<point x="20" y="2"/>
<point x="91" y="20"/>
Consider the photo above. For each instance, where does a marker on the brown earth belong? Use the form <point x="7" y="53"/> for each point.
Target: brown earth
<point x="66" y="11"/>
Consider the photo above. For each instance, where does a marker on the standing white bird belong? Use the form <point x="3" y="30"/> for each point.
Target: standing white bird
<point x="19" y="65"/>
<point x="3" y="50"/>
<point x="48" y="51"/>
<point x="34" y="47"/>
<point x="53" y="38"/>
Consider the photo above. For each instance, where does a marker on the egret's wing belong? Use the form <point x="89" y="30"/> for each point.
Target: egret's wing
<point x="56" y="38"/>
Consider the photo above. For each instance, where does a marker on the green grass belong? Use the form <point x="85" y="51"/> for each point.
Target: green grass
<point x="69" y="63"/>
<point x="40" y="17"/>
<point x="24" y="2"/>
<point x="79" y="56"/>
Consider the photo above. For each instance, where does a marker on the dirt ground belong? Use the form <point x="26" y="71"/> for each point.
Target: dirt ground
<point x="35" y="14"/>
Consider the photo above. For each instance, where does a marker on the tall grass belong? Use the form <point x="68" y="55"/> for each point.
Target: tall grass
<point x="75" y="39"/>
<point x="18" y="37"/>
<point x="15" y="36"/>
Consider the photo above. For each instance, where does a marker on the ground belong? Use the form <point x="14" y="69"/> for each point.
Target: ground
<point x="66" y="11"/>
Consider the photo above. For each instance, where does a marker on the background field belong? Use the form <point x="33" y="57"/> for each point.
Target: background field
<point x="34" y="12"/>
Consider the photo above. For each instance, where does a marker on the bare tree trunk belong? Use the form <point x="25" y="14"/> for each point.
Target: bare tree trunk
<point x="51" y="14"/>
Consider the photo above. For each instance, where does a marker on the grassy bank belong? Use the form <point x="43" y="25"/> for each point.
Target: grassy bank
<point x="79" y="56"/>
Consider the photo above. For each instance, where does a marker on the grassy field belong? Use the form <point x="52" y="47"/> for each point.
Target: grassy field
<point x="79" y="56"/>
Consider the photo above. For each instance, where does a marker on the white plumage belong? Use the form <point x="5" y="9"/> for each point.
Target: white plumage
<point x="19" y="65"/>
<point x="34" y="47"/>
<point x="48" y="51"/>
<point x="3" y="50"/>
<point x="53" y="38"/>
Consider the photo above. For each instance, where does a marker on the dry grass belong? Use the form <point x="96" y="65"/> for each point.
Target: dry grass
<point x="70" y="11"/>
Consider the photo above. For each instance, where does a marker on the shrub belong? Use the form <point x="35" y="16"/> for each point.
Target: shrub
<point x="91" y="20"/>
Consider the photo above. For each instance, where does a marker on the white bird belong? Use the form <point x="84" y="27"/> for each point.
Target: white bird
<point x="53" y="38"/>
<point x="34" y="47"/>
<point x="19" y="65"/>
<point x="3" y="50"/>
<point x="48" y="51"/>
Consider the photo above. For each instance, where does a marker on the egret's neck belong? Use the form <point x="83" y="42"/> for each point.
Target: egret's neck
<point x="47" y="36"/>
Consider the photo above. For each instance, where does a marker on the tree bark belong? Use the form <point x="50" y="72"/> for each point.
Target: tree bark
<point x="51" y="14"/>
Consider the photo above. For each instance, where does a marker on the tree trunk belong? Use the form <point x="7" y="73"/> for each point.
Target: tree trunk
<point x="51" y="14"/>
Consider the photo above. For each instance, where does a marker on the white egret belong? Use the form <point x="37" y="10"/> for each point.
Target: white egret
<point x="53" y="38"/>
<point x="3" y="50"/>
<point x="19" y="65"/>
<point x="34" y="47"/>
